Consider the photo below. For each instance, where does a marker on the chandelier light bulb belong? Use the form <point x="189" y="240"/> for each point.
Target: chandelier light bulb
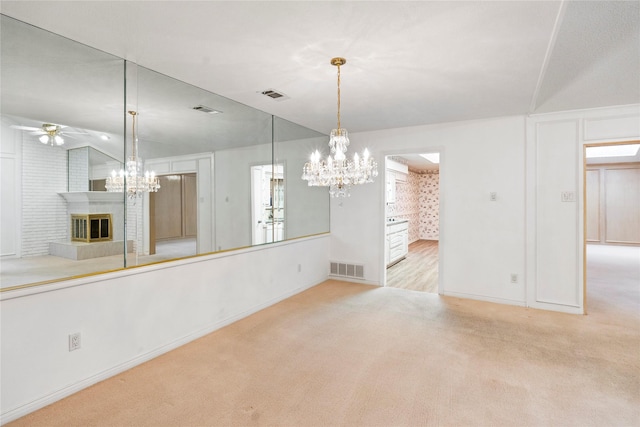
<point x="44" y="139"/>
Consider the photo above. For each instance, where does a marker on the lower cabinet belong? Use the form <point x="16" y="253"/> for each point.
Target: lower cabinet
<point x="397" y="245"/>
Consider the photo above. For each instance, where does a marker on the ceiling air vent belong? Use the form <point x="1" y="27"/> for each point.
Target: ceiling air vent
<point x="206" y="109"/>
<point x="274" y="94"/>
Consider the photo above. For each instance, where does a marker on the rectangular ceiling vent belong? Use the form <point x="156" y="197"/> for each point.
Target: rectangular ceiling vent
<point x="341" y="269"/>
<point x="206" y="109"/>
<point x="274" y="94"/>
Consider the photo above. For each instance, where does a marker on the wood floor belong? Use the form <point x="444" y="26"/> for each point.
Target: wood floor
<point x="419" y="271"/>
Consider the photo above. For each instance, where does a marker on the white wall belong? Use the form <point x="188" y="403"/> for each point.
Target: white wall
<point x="128" y="317"/>
<point x="78" y="169"/>
<point x="10" y="193"/>
<point x="527" y="231"/>
<point x="232" y="194"/>
<point x="33" y="214"/>
<point x="481" y="242"/>
<point x="306" y="208"/>
<point x="44" y="211"/>
<point x="555" y="229"/>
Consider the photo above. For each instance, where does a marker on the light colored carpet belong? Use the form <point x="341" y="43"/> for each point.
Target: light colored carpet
<point x="343" y="354"/>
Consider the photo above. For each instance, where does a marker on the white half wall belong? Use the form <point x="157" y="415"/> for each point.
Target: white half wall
<point x="130" y="316"/>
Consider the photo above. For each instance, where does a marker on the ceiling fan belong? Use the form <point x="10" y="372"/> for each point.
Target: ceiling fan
<point x="49" y="133"/>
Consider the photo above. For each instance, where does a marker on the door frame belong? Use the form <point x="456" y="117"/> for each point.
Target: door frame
<point x="441" y="210"/>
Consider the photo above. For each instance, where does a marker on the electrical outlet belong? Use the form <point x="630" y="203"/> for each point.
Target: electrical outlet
<point x="493" y="196"/>
<point x="74" y="341"/>
<point x="514" y="278"/>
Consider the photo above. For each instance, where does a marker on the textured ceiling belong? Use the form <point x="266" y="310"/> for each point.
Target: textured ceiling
<point x="408" y="63"/>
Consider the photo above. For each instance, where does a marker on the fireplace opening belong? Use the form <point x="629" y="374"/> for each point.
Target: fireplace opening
<point x="91" y="228"/>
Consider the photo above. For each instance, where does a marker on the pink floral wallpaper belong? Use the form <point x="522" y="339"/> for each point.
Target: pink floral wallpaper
<point x="417" y="200"/>
<point x="429" y="206"/>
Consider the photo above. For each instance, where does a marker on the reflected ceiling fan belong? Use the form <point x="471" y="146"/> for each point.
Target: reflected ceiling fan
<point x="49" y="133"/>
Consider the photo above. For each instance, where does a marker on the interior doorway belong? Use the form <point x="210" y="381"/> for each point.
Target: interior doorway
<point x="267" y="203"/>
<point x="173" y="216"/>
<point x="412" y="221"/>
<point x="611" y="182"/>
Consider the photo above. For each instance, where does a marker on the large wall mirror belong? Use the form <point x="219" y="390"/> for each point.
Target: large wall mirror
<point x="229" y="174"/>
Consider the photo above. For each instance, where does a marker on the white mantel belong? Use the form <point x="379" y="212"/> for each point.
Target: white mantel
<point x="91" y="197"/>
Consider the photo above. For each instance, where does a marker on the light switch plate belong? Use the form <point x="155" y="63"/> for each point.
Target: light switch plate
<point x="568" y="196"/>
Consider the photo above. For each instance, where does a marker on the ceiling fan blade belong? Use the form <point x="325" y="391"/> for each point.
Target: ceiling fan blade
<point x="37" y="132"/>
<point x="25" y="128"/>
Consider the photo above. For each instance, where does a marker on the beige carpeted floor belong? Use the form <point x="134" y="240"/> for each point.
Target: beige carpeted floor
<point x="343" y="354"/>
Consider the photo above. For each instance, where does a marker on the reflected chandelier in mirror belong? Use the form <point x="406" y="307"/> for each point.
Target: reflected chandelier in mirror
<point x="133" y="179"/>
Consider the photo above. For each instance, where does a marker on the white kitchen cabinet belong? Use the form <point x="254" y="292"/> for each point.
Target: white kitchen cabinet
<point x="391" y="187"/>
<point x="397" y="242"/>
<point x="395" y="173"/>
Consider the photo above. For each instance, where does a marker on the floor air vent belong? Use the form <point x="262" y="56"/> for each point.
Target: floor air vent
<point x="347" y="270"/>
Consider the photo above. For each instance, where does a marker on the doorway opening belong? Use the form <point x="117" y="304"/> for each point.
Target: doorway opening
<point x="412" y="221"/>
<point x="267" y="203"/>
<point x="611" y="182"/>
<point x="173" y="217"/>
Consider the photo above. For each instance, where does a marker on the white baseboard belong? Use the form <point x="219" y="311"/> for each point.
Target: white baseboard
<point x="485" y="298"/>
<point x="352" y="280"/>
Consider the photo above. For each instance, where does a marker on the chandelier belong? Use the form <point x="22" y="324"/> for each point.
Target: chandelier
<point x="133" y="180"/>
<point x="339" y="173"/>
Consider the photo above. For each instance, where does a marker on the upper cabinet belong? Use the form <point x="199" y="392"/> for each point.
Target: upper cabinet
<point x="395" y="172"/>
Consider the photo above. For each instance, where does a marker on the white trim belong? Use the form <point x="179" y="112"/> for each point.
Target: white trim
<point x="547" y="55"/>
<point x="484" y="298"/>
<point x="353" y="280"/>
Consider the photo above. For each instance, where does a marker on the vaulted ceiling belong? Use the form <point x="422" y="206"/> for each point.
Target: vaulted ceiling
<point x="408" y="62"/>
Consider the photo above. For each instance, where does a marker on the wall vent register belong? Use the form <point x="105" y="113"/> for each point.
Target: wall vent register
<point x="347" y="270"/>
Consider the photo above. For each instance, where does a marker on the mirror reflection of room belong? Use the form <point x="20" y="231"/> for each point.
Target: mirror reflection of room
<point x="61" y="143"/>
<point x="268" y="210"/>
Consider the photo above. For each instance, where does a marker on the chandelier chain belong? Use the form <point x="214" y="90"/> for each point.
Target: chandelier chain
<point x="339" y="128"/>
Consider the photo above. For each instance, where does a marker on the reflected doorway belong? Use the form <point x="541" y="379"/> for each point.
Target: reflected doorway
<point x="267" y="203"/>
<point x="173" y="216"/>
<point x="412" y="221"/>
